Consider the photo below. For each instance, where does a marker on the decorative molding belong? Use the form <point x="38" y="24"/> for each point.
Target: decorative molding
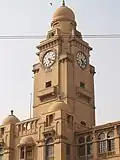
<point x="84" y="94"/>
<point x="48" y="92"/>
<point x="66" y="59"/>
<point x="36" y="68"/>
<point x="92" y="70"/>
<point x="47" y="44"/>
<point x="61" y="137"/>
<point x="80" y="44"/>
<point x="107" y="154"/>
<point x="49" y="133"/>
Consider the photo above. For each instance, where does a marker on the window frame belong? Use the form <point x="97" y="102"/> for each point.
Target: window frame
<point x="25" y="151"/>
<point x="82" y="85"/>
<point x="48" y="84"/>
<point x="84" y="143"/>
<point x="105" y="142"/>
<point x="49" y="145"/>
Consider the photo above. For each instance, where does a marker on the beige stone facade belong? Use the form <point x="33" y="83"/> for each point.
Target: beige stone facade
<point x="63" y="124"/>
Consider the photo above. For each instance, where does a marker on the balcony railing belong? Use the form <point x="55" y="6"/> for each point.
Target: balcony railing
<point x="107" y="154"/>
<point x="86" y="157"/>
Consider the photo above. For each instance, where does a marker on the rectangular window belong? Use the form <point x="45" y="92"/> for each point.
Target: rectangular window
<point x="48" y="84"/>
<point x="67" y="151"/>
<point x="51" y="117"/>
<point x="1" y="152"/>
<point x="2" y="131"/>
<point x="81" y="150"/>
<point x="49" y="120"/>
<point x="82" y="85"/>
<point x="68" y="119"/>
<point x="50" y="151"/>
<point x="22" y="153"/>
<point x="102" y="146"/>
<point x="89" y="149"/>
<point x="29" y="152"/>
<point x="110" y="145"/>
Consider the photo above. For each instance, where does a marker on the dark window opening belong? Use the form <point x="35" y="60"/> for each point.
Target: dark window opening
<point x="67" y="151"/>
<point x="110" y="145"/>
<point x="68" y="118"/>
<point x="82" y="85"/>
<point x="22" y="153"/>
<point x="48" y="84"/>
<point x="81" y="150"/>
<point x="49" y="120"/>
<point x="89" y="149"/>
<point x="81" y="140"/>
<point x="29" y="152"/>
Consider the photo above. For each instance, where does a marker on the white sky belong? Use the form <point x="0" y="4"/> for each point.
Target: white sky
<point x="25" y="17"/>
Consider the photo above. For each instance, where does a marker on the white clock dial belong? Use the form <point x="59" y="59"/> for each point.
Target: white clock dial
<point x="81" y="60"/>
<point x="49" y="59"/>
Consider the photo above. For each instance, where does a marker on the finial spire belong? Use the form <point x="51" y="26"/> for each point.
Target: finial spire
<point x="11" y="112"/>
<point x="63" y="3"/>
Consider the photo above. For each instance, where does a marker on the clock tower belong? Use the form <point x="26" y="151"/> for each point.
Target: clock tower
<point x="64" y="73"/>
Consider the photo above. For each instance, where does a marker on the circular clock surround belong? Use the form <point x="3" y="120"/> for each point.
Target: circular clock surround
<point x="48" y="59"/>
<point x="82" y="60"/>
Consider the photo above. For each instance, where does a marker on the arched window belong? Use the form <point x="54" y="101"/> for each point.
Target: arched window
<point x="1" y="152"/>
<point x="26" y="148"/>
<point x="102" y="143"/>
<point x="106" y="143"/>
<point x="110" y="141"/>
<point x="50" y="149"/>
<point x="84" y="146"/>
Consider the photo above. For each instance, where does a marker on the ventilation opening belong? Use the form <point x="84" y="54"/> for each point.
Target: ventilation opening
<point x="48" y="84"/>
<point x="83" y="123"/>
<point x="82" y="85"/>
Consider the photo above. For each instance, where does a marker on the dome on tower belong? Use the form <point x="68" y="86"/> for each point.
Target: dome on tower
<point x="11" y="119"/>
<point x="63" y="13"/>
<point x="59" y="105"/>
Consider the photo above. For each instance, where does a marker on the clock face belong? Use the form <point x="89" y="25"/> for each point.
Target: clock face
<point x="49" y="59"/>
<point x="81" y="60"/>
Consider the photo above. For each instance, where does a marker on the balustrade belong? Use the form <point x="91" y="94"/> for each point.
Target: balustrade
<point x="27" y="127"/>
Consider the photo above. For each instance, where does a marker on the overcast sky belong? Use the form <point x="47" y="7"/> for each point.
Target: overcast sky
<point x="25" y="17"/>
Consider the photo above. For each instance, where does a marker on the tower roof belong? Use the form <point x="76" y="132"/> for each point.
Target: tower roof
<point x="11" y="119"/>
<point x="63" y="13"/>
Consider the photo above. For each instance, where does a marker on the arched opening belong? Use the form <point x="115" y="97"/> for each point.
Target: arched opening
<point x="102" y="143"/>
<point x="26" y="150"/>
<point x="85" y="147"/>
<point x="81" y="147"/>
<point x="110" y="141"/>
